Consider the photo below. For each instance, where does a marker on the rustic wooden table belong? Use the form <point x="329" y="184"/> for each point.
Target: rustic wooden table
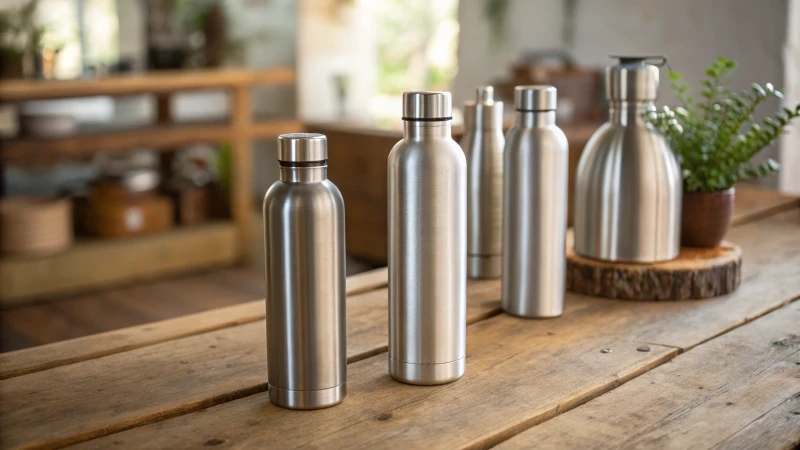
<point x="723" y="372"/>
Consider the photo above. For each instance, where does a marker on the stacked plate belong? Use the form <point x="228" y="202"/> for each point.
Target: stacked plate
<point x="35" y="225"/>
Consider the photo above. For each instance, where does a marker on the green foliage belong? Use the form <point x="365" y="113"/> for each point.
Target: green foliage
<point x="716" y="136"/>
<point x="19" y="34"/>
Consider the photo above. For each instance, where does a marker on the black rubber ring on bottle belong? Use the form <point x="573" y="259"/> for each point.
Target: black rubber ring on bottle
<point x="303" y="163"/>
<point x="427" y="119"/>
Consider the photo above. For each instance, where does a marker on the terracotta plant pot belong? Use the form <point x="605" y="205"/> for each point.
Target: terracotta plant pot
<point x="705" y="217"/>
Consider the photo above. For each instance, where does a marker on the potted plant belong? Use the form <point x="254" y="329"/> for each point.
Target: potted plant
<point x="716" y="139"/>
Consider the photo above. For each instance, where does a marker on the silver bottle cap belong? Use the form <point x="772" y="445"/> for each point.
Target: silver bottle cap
<point x="302" y="147"/>
<point x="634" y="79"/>
<point x="420" y="105"/>
<point x="485" y="94"/>
<point x="535" y="98"/>
<point x="483" y="112"/>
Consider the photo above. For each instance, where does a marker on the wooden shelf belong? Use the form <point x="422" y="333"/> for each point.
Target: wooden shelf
<point x="145" y="83"/>
<point x="159" y="137"/>
<point x="96" y="263"/>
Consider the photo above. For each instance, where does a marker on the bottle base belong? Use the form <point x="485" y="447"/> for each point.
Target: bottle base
<point x="536" y="315"/>
<point x="427" y="374"/>
<point x="317" y="399"/>
<point x="629" y="259"/>
<point x="484" y="266"/>
<point x="530" y="311"/>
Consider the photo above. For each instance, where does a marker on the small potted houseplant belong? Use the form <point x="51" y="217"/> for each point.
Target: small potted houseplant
<point x="716" y="138"/>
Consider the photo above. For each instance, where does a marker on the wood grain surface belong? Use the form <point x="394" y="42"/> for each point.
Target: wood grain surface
<point x="158" y="381"/>
<point x="206" y="389"/>
<point x="753" y="203"/>
<point x="519" y="372"/>
<point x="43" y="357"/>
<point x="697" y="273"/>
<point x="738" y="383"/>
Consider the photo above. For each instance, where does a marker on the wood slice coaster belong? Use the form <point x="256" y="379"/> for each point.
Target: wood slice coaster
<point x="696" y="273"/>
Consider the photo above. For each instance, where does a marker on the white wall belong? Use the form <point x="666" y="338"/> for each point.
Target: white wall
<point x="691" y="33"/>
<point x="530" y="25"/>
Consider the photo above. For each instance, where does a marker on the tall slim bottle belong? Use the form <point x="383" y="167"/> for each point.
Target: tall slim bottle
<point x="305" y="278"/>
<point x="535" y="207"/>
<point x="427" y="245"/>
<point x="483" y="146"/>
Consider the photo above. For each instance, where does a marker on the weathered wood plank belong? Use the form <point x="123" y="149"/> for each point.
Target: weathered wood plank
<point x="698" y="400"/>
<point x="776" y="429"/>
<point x="514" y="366"/>
<point x="528" y="370"/>
<point x="44" y="357"/>
<point x="770" y="280"/>
<point x="103" y="395"/>
<point x="753" y="203"/>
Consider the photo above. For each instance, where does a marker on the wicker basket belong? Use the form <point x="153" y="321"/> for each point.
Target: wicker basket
<point x="35" y="225"/>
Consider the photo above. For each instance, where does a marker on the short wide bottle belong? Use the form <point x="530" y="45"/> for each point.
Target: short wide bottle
<point x="629" y="185"/>
<point x="305" y="278"/>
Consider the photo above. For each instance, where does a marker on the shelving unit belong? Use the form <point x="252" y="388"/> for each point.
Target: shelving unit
<point x="95" y="263"/>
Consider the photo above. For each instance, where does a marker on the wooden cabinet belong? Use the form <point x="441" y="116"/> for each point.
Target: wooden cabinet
<point x="357" y="156"/>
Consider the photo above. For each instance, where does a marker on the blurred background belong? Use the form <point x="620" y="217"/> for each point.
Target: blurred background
<point x="137" y="137"/>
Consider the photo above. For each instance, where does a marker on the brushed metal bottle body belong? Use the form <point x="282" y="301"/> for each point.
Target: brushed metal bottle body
<point x="304" y="248"/>
<point x="427" y="245"/>
<point x="483" y="143"/>
<point x="628" y="185"/>
<point x="535" y="207"/>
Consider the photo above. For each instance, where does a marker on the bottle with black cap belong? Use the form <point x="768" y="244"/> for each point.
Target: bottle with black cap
<point x="427" y="174"/>
<point x="535" y="207"/>
<point x="305" y="278"/>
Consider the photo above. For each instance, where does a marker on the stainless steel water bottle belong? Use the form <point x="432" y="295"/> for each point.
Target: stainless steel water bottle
<point x="628" y="186"/>
<point x="483" y="146"/>
<point x="427" y="245"/>
<point x="535" y="207"/>
<point x="305" y="278"/>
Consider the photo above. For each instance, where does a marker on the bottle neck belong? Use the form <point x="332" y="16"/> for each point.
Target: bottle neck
<point x="533" y="119"/>
<point x="630" y="113"/>
<point x="309" y="174"/>
<point x="416" y="130"/>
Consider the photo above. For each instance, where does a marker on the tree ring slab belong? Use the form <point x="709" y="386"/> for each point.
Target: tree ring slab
<point x="696" y="273"/>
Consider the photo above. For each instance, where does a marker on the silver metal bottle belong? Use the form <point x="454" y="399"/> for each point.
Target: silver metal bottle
<point x="305" y="278"/>
<point x="483" y="146"/>
<point x="628" y="185"/>
<point x="535" y="207"/>
<point x="427" y="245"/>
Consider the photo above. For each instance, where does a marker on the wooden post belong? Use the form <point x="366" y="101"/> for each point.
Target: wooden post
<point x="241" y="167"/>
